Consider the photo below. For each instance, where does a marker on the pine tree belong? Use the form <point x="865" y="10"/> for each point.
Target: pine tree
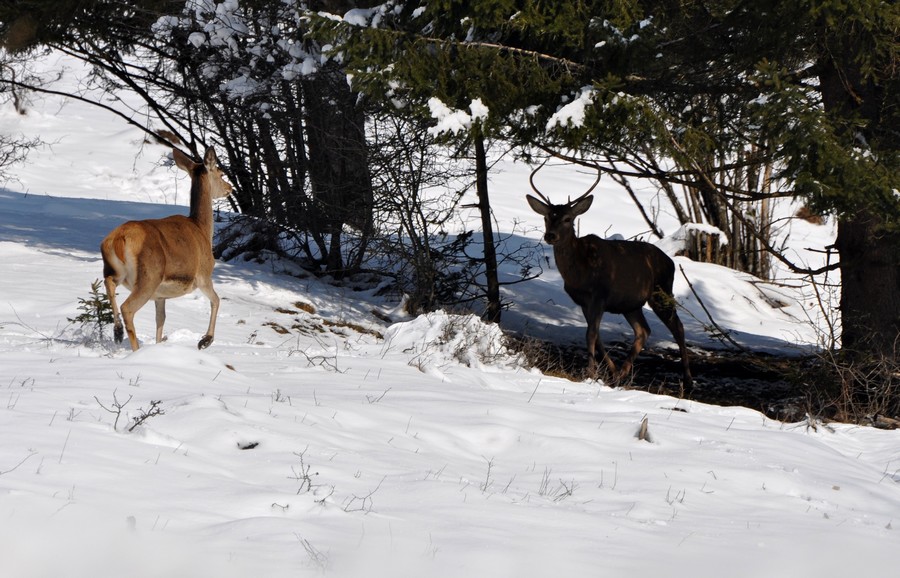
<point x="96" y="311"/>
<point x="808" y="89"/>
<point x="858" y="59"/>
<point x="411" y="57"/>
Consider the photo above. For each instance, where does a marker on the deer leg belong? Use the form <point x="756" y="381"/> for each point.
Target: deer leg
<point x="595" y="345"/>
<point x="160" y="319"/>
<point x="131" y="306"/>
<point x="110" y="283"/>
<point x="663" y="305"/>
<point x="641" y="332"/>
<point x="210" y="293"/>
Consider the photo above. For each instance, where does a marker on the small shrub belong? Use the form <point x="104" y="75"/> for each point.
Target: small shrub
<point x="549" y="358"/>
<point x="96" y="312"/>
<point x="856" y="388"/>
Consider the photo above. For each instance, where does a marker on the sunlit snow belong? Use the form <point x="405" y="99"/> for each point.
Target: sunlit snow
<point x="347" y="446"/>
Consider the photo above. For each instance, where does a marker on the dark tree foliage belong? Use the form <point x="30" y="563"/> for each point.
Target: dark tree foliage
<point x="294" y="142"/>
<point x="748" y="100"/>
<point x="734" y="102"/>
<point x="858" y="68"/>
<point x="27" y="23"/>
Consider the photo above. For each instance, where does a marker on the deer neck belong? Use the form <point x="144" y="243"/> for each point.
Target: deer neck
<point x="568" y="253"/>
<point x="201" y="203"/>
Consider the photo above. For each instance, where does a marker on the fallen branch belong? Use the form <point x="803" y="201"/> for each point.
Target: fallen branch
<point x="709" y="316"/>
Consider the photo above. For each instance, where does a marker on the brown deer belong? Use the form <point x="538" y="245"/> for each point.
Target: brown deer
<point x="611" y="276"/>
<point x="164" y="258"/>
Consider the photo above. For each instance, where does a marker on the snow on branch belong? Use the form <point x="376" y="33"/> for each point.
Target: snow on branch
<point x="455" y="121"/>
<point x="572" y="114"/>
<point x="249" y="52"/>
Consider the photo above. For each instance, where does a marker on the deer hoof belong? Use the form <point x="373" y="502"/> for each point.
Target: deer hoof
<point x="118" y="333"/>
<point x="593" y="372"/>
<point x="205" y="342"/>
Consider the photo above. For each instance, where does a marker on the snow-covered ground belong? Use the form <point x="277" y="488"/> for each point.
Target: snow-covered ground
<point x="328" y="443"/>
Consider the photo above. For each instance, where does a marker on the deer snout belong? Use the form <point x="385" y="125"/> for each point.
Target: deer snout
<point x="551" y="237"/>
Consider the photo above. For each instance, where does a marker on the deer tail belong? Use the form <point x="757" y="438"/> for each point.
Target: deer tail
<point x="113" y="251"/>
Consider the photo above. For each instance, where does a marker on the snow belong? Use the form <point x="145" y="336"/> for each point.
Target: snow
<point x="197" y="39"/>
<point x="350" y="447"/>
<point x="572" y="114"/>
<point x="455" y="121"/>
<point x="359" y="16"/>
<point x="678" y="241"/>
<point x="479" y="109"/>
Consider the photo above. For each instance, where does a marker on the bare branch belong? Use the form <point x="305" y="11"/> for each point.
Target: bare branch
<point x="22" y="461"/>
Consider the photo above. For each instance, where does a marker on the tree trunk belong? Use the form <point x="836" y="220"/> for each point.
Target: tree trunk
<point x="870" y="286"/>
<point x="338" y="162"/>
<point x="492" y="280"/>
<point x="870" y="253"/>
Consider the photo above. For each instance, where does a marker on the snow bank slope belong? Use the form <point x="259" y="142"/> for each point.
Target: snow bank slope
<point x="303" y="444"/>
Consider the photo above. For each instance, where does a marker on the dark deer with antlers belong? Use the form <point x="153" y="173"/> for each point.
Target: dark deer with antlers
<point x="611" y="276"/>
<point x="161" y="259"/>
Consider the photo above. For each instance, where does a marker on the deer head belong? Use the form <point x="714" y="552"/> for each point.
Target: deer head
<point x="207" y="184"/>
<point x="213" y="179"/>
<point x="559" y="220"/>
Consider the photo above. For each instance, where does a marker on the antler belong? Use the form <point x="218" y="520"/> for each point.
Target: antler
<point x="547" y="200"/>
<point x="533" y="187"/>
<point x="588" y="192"/>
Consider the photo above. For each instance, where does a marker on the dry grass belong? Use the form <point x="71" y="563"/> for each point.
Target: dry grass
<point x="809" y="216"/>
<point x="308" y="325"/>
<point x="298" y="307"/>
<point x="277" y="328"/>
<point x="857" y="388"/>
<point x="548" y="358"/>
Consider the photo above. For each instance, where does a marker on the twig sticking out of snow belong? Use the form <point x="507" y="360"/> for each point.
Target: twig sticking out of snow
<point x="643" y="433"/>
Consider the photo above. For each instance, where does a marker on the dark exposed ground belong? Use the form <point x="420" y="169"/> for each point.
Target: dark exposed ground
<point x="762" y="382"/>
<point x="767" y="383"/>
<point x="786" y="388"/>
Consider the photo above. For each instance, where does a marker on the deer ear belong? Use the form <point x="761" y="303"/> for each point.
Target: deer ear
<point x="539" y="207"/>
<point x="582" y="205"/>
<point x="210" y="159"/>
<point x="182" y="161"/>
